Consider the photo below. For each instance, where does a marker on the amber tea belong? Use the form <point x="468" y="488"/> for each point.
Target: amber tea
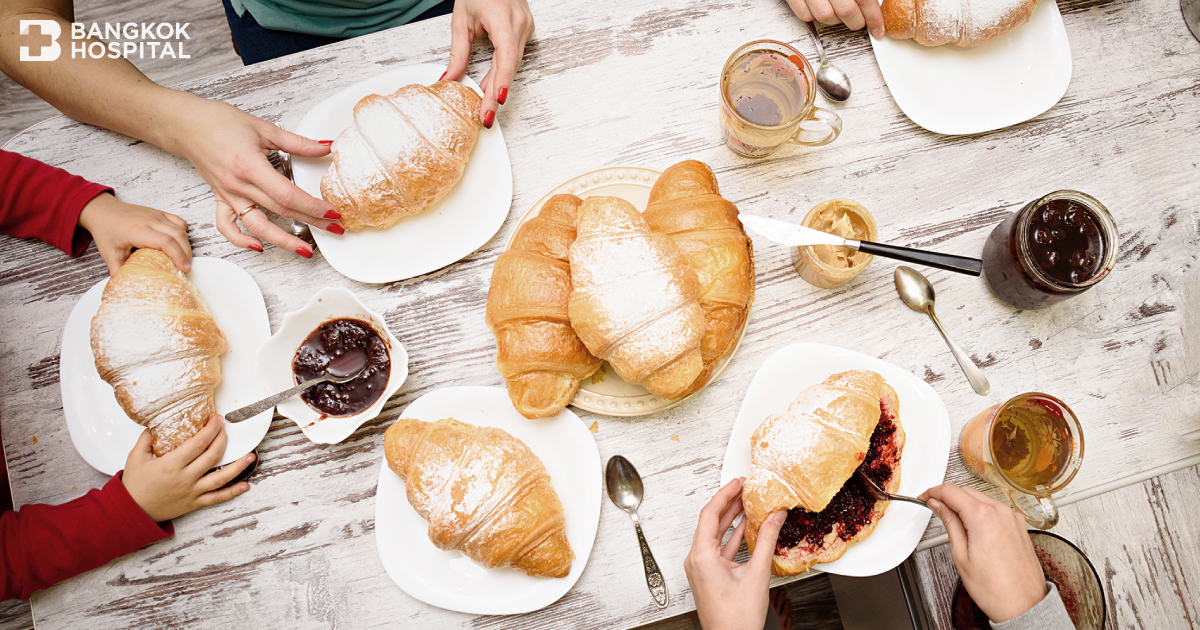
<point x="766" y="88"/>
<point x="1031" y="443"/>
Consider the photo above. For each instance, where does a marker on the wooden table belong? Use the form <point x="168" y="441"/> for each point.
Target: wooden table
<point x="636" y="82"/>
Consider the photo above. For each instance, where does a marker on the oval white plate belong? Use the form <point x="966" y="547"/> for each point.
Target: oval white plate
<point x="274" y="363"/>
<point x="955" y="91"/>
<point x="605" y="392"/>
<point x="99" y="428"/>
<point x="462" y="222"/>
<point x="922" y="464"/>
<point x="450" y="580"/>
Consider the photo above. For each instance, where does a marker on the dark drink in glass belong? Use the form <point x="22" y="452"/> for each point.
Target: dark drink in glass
<point x="1054" y="248"/>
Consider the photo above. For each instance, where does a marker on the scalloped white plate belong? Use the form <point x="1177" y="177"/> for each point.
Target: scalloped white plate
<point x="450" y="580"/>
<point x="957" y="91"/>
<point x="274" y="363"/>
<point x="926" y="424"/>
<point x="99" y="428"/>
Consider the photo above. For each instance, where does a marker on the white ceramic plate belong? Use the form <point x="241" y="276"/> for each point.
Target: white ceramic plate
<point x="99" y="428"/>
<point x="450" y="580"/>
<point x="922" y="464"/>
<point x="954" y="91"/>
<point x="462" y="222"/>
<point x="274" y="362"/>
<point x="605" y="392"/>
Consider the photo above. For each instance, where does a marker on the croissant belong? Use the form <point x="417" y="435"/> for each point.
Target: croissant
<point x="964" y="23"/>
<point x="403" y="153"/>
<point x="686" y="204"/>
<point x="804" y="460"/>
<point x="538" y="354"/>
<point x="633" y="298"/>
<point x="156" y="343"/>
<point x="483" y="492"/>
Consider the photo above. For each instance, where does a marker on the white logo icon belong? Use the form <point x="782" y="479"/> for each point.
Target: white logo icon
<point x="46" y="51"/>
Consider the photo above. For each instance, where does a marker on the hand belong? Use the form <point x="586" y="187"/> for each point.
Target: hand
<point x="728" y="595"/>
<point x="991" y="548"/>
<point x="118" y="228"/>
<point x="509" y="24"/>
<point x="853" y="13"/>
<point x="229" y="148"/>
<point x="175" y="484"/>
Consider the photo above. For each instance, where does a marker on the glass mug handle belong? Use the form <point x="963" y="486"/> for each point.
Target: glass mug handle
<point x="818" y="137"/>
<point x="1048" y="511"/>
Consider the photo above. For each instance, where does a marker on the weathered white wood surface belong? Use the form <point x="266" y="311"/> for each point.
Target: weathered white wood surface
<point x="1144" y="541"/>
<point x="635" y="81"/>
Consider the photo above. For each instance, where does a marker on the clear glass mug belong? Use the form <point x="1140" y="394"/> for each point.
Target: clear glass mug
<point x="1031" y="447"/>
<point x="810" y="125"/>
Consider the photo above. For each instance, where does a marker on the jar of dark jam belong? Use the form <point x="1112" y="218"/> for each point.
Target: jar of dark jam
<point x="1054" y="248"/>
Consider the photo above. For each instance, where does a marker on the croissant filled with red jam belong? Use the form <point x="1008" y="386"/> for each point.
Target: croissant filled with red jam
<point x="804" y="461"/>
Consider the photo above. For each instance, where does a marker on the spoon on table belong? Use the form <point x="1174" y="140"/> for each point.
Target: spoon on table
<point x="624" y="487"/>
<point x="917" y="293"/>
<point x="341" y="369"/>
<point x="883" y="495"/>
<point x="834" y="83"/>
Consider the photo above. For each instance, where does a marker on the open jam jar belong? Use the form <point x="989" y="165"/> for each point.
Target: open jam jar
<point x="1054" y="248"/>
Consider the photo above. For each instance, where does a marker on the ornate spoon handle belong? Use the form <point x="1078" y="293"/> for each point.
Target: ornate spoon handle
<point x="249" y="411"/>
<point x="654" y="578"/>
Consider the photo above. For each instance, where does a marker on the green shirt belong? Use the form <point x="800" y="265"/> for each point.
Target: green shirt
<point x="332" y="18"/>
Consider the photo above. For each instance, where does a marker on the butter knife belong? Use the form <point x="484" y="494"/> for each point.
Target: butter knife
<point x="794" y="235"/>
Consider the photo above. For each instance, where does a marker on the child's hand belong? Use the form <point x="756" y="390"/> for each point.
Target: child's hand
<point x="175" y="484"/>
<point x="118" y="228"/>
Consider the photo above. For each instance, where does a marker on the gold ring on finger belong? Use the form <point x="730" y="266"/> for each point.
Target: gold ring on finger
<point x="250" y="207"/>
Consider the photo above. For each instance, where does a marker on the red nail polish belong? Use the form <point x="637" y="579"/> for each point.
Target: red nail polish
<point x="503" y="96"/>
<point x="304" y="252"/>
<point x="488" y="119"/>
<point x="257" y="248"/>
<point x="443" y="75"/>
<point x="335" y="228"/>
<point x="332" y="215"/>
<point x="325" y="142"/>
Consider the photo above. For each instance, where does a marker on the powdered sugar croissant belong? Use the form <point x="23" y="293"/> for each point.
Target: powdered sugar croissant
<point x="483" y="492"/>
<point x="158" y="346"/>
<point x="964" y="23"/>
<point x="403" y="153"/>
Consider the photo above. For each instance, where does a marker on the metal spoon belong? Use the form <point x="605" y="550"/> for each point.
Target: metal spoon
<point x="917" y="293"/>
<point x="883" y="495"/>
<point x="834" y="83"/>
<point x="342" y="369"/>
<point x="282" y="161"/>
<point x="624" y="487"/>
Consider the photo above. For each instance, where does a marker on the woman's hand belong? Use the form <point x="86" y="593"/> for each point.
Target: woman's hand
<point x="118" y="228"/>
<point x="176" y="483"/>
<point x="728" y="595"/>
<point x="853" y="13"/>
<point x="991" y="548"/>
<point x="509" y="24"/>
<point x="229" y="148"/>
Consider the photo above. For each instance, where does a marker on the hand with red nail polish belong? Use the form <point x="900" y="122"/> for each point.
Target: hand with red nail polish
<point x="304" y="251"/>
<point x="509" y="25"/>
<point x="335" y="228"/>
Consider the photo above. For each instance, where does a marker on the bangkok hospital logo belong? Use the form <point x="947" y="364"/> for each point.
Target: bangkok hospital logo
<point x="154" y="40"/>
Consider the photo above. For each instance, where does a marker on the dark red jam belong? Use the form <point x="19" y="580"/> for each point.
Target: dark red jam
<point x="329" y="341"/>
<point x="851" y="507"/>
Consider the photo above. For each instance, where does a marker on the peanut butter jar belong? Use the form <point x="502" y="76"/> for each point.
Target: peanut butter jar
<point x="827" y="266"/>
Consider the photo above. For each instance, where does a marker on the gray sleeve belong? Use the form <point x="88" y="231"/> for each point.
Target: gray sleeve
<point x="1048" y="614"/>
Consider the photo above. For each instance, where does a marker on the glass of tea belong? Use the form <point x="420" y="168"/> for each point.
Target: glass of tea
<point x="767" y="93"/>
<point x="1054" y="248"/>
<point x="1031" y="447"/>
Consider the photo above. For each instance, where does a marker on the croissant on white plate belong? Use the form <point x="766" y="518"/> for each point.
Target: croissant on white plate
<point x="156" y="343"/>
<point x="964" y="23"/>
<point x="483" y="492"/>
<point x="804" y="460"/>
<point x="402" y="154"/>
<point x="634" y="298"/>
<point x="539" y="355"/>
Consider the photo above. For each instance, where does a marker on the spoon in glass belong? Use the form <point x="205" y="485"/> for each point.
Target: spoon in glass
<point x="917" y="294"/>
<point x="624" y="486"/>
<point x="834" y="83"/>
<point x="341" y="369"/>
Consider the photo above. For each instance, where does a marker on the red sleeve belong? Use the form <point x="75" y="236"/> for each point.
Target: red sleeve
<point x="40" y="201"/>
<point x="41" y="545"/>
